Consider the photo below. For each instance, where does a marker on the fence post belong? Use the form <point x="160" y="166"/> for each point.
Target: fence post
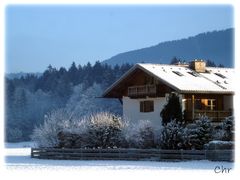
<point x="118" y="153"/>
<point x="181" y="151"/>
<point x="160" y="154"/>
<point x="81" y="153"/>
<point x="31" y="152"/>
<point x="205" y="154"/>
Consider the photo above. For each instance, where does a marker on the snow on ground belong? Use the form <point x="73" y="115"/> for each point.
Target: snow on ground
<point x="17" y="156"/>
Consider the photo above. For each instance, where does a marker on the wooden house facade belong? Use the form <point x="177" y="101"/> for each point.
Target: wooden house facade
<point x="145" y="88"/>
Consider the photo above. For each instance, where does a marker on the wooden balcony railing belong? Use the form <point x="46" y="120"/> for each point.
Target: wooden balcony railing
<point x="215" y="115"/>
<point x="146" y="90"/>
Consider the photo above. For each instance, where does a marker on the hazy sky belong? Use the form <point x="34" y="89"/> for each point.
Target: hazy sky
<point x="37" y="36"/>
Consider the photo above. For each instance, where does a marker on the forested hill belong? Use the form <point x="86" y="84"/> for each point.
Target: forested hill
<point x="216" y="46"/>
<point x="30" y="97"/>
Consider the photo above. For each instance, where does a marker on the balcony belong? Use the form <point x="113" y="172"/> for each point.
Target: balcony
<point x="216" y="115"/>
<point x="141" y="91"/>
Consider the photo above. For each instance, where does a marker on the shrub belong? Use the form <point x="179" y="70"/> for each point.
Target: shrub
<point x="140" y="135"/>
<point x="46" y="135"/>
<point x="104" y="130"/>
<point x="219" y="145"/>
<point x="61" y="129"/>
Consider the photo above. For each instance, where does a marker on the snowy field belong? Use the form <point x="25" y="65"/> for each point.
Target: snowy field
<point x="17" y="156"/>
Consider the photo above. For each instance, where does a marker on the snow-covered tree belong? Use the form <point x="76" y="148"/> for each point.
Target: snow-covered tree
<point x="197" y="134"/>
<point x="228" y="127"/>
<point x="30" y="96"/>
<point x="225" y="130"/>
<point x="171" y="136"/>
<point x="16" y="115"/>
<point x="84" y="102"/>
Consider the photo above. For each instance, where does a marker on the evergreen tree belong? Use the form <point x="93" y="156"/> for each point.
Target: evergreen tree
<point x="198" y="134"/>
<point x="210" y="63"/>
<point x="17" y="119"/>
<point x="174" y="60"/>
<point x="98" y="72"/>
<point x="172" y="110"/>
<point x="73" y="74"/>
<point x="228" y="128"/>
<point x="171" y="136"/>
<point x="88" y="76"/>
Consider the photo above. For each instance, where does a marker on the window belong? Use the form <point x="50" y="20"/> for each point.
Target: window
<point x="177" y="73"/>
<point x="194" y="74"/>
<point x="205" y="104"/>
<point x="220" y="75"/>
<point x="211" y="104"/>
<point x="146" y="106"/>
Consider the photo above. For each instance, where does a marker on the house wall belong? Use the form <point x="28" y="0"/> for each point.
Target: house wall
<point x="131" y="110"/>
<point x="228" y="102"/>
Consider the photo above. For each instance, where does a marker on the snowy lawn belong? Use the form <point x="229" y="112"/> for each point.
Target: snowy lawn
<point x="17" y="156"/>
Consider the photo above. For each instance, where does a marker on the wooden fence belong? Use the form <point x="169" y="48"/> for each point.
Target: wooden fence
<point x="131" y="154"/>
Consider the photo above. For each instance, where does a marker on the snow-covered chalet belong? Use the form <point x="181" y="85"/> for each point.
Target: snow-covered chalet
<point x="144" y="90"/>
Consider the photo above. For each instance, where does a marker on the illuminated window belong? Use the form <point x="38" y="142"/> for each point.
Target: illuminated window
<point x="211" y="104"/>
<point x="205" y="104"/>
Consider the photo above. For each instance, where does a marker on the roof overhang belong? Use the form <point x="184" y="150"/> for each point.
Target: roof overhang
<point x="128" y="73"/>
<point x="107" y="93"/>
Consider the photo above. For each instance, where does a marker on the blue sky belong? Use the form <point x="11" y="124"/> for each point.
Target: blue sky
<point x="39" y="35"/>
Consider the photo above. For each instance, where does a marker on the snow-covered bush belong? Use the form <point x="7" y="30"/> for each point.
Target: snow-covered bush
<point x="225" y="130"/>
<point x="61" y="129"/>
<point x="74" y="135"/>
<point x="228" y="127"/>
<point x="104" y="130"/>
<point x="171" y="136"/>
<point x="197" y="134"/>
<point x="46" y="135"/>
<point x="141" y="135"/>
<point x="219" y="145"/>
<point x="218" y="132"/>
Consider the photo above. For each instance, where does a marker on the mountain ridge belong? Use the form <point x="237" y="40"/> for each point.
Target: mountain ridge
<point x="216" y="46"/>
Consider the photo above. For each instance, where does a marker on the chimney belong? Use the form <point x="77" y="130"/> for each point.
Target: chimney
<point x="198" y="65"/>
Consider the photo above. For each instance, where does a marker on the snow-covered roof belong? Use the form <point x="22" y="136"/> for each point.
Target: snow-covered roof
<point x="185" y="80"/>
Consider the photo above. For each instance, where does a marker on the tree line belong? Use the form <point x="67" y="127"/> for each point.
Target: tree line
<point x="29" y="98"/>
